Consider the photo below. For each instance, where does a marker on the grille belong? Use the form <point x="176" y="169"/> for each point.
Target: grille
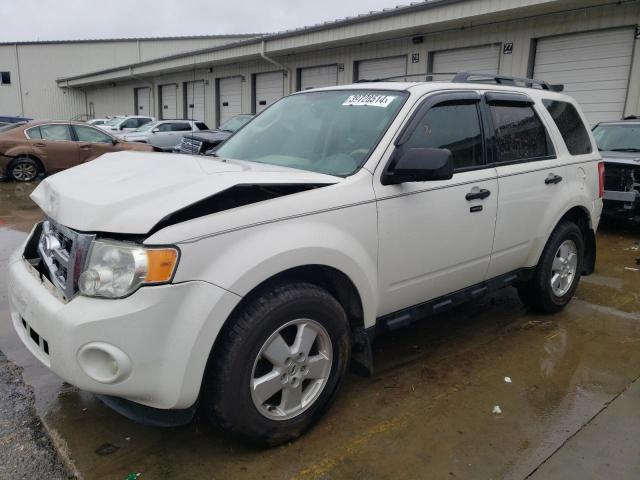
<point x="190" y="146"/>
<point x="63" y="252"/>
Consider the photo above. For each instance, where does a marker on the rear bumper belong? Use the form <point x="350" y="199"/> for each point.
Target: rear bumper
<point x="159" y="338"/>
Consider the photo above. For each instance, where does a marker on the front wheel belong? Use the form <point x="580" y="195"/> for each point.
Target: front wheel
<point x="278" y="365"/>
<point x="558" y="272"/>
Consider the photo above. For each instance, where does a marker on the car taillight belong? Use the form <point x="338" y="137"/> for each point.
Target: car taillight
<point x="601" y="179"/>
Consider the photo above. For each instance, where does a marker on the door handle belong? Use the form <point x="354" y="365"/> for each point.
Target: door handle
<point x="39" y="144"/>
<point x="553" y="179"/>
<point x="85" y="147"/>
<point x="478" y="194"/>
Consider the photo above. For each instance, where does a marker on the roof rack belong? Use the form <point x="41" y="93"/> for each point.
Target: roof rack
<point x="476" y="77"/>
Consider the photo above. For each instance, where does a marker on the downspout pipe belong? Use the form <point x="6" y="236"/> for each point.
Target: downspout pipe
<point x="287" y="70"/>
<point x="152" y="90"/>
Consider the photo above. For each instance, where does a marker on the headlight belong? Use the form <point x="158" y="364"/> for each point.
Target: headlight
<point x="117" y="269"/>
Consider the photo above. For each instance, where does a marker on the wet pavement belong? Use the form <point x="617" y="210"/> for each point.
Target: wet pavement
<point x="570" y="410"/>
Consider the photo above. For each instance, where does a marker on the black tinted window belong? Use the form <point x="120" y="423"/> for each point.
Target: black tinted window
<point x="181" y="127"/>
<point x="520" y="134"/>
<point x="454" y="126"/>
<point x="142" y="121"/>
<point x="202" y="126"/>
<point x="130" y="123"/>
<point x="570" y="125"/>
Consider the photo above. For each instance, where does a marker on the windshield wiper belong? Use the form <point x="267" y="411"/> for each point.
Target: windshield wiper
<point x="625" y="150"/>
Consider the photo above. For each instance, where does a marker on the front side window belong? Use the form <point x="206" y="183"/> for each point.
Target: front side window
<point x="454" y="126"/>
<point x="142" y="121"/>
<point x="113" y="122"/>
<point x="330" y="132"/>
<point x="570" y="124"/>
<point x="618" y="137"/>
<point x="93" y="135"/>
<point x="130" y="123"/>
<point x="234" y="123"/>
<point x="180" y="127"/>
<point x="163" y="127"/>
<point x="520" y="134"/>
<point x="55" y="131"/>
<point x="202" y="126"/>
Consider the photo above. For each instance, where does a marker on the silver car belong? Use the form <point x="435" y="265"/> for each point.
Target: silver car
<point x="164" y="134"/>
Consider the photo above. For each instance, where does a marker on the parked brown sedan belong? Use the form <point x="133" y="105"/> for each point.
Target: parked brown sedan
<point x="47" y="147"/>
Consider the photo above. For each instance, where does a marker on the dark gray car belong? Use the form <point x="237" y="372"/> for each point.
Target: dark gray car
<point x="199" y="143"/>
<point x="619" y="144"/>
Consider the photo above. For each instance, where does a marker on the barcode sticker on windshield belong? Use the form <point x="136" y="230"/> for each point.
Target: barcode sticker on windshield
<point x="369" y="99"/>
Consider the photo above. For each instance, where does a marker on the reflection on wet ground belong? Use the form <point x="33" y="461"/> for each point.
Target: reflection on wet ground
<point x="426" y="413"/>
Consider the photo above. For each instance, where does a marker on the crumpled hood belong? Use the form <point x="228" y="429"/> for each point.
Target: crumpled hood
<point x="129" y="192"/>
<point x="626" y="158"/>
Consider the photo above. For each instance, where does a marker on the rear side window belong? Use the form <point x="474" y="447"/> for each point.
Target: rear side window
<point x="202" y="126"/>
<point x="570" y="125"/>
<point x="520" y="134"/>
<point x="55" y="131"/>
<point x="454" y="126"/>
<point x="180" y="127"/>
<point x="33" y="133"/>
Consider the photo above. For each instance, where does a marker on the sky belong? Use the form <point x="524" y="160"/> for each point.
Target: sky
<point x="28" y="20"/>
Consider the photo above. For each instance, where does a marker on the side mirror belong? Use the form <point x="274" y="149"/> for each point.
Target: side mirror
<point x="419" y="165"/>
<point x="155" y="130"/>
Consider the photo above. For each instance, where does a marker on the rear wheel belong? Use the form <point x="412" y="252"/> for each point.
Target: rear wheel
<point x="24" y="169"/>
<point x="558" y="272"/>
<point x="279" y="364"/>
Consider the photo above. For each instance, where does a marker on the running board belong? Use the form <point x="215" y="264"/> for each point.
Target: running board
<point x="410" y="315"/>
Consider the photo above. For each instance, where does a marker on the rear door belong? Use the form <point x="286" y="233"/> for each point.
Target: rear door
<point x="530" y="180"/>
<point x="170" y="134"/>
<point x="56" y="147"/>
<point x="91" y="142"/>
<point x="435" y="237"/>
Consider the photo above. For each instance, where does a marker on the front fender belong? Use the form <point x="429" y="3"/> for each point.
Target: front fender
<point x="238" y="261"/>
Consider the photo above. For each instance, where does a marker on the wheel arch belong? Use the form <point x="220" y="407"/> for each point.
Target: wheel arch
<point x="26" y="155"/>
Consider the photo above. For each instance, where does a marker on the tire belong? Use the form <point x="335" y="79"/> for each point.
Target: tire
<point x="236" y="396"/>
<point x="24" y="169"/>
<point x="539" y="293"/>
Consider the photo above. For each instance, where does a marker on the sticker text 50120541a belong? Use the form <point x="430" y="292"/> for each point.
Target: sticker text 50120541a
<point x="369" y="99"/>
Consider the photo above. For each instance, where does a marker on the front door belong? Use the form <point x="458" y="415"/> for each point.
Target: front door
<point x="91" y="142"/>
<point x="436" y="237"/>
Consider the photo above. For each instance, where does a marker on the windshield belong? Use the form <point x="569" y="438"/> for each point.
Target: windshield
<point x="114" y="121"/>
<point x="621" y="138"/>
<point x="329" y="132"/>
<point x="146" y="127"/>
<point x="234" y="123"/>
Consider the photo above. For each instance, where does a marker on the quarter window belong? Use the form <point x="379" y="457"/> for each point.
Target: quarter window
<point x="570" y="125"/>
<point x="520" y="134"/>
<point x="88" y="134"/>
<point x="454" y="126"/>
<point x="55" y="131"/>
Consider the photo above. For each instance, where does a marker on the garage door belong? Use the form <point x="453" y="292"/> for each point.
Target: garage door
<point x="229" y="98"/>
<point x="485" y="59"/>
<point x="269" y="88"/>
<point x="195" y="100"/>
<point x="315" y="77"/>
<point x="169" y="100"/>
<point x="382" y="68"/>
<point x="143" y="101"/>
<point x="594" y="67"/>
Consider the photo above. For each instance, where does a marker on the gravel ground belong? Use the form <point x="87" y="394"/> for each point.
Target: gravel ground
<point x="25" y="449"/>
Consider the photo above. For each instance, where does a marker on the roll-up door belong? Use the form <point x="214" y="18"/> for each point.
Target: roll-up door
<point x="169" y="101"/>
<point x="484" y="59"/>
<point x="143" y="101"/>
<point x="593" y="66"/>
<point x="229" y="98"/>
<point x="269" y="87"/>
<point x="382" y="68"/>
<point x="315" y="77"/>
<point x="195" y="100"/>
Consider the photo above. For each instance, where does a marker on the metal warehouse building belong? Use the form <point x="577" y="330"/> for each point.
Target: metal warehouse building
<point x="588" y="45"/>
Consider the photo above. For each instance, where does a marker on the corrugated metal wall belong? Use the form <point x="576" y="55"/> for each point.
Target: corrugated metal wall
<point x="521" y="33"/>
<point x="42" y="63"/>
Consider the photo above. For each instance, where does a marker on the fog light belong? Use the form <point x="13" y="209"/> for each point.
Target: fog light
<point x="104" y="363"/>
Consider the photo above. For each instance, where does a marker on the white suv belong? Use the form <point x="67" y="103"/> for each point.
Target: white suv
<point x="164" y="135"/>
<point x="125" y="123"/>
<point x="246" y="284"/>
